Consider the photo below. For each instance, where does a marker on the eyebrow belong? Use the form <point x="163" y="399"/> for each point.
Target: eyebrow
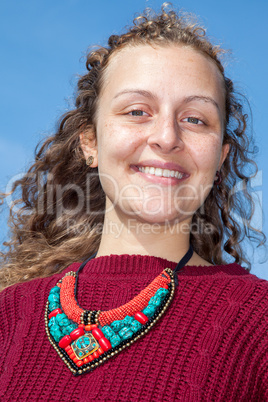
<point x="150" y="95"/>
<point x="201" y="98"/>
<point x="146" y="94"/>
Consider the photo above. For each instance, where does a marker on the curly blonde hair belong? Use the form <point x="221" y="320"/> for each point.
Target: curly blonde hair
<point x="44" y="240"/>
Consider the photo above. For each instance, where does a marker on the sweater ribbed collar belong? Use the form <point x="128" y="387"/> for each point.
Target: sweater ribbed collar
<point x="139" y="264"/>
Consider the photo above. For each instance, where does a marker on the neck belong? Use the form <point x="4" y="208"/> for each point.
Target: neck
<point x="169" y="241"/>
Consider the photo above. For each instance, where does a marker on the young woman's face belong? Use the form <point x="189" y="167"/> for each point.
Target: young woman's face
<point x="159" y="130"/>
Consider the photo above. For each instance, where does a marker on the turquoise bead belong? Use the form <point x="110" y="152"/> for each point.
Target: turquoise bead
<point x="125" y="333"/>
<point x="56" y="333"/>
<point x="52" y="322"/>
<point x="62" y="320"/>
<point x="54" y="297"/>
<point x="135" y="326"/>
<point x="127" y="321"/>
<point x="107" y="332"/>
<point x="55" y="329"/>
<point x="161" y="293"/>
<point x="117" y="325"/>
<point x="67" y="330"/>
<point x="155" y="301"/>
<point x="52" y="306"/>
<point x="149" y="310"/>
<point x="115" y="340"/>
<point x="55" y="290"/>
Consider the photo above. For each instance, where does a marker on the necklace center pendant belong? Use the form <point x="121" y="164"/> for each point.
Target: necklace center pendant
<point x="85" y="339"/>
<point x="85" y="346"/>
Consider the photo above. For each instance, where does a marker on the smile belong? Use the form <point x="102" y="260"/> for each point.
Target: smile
<point x="160" y="172"/>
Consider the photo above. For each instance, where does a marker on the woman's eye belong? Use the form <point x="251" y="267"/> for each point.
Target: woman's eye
<point x="193" y="120"/>
<point x="137" y="113"/>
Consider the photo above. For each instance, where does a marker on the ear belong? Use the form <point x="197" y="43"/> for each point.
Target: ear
<point x="88" y="142"/>
<point x="224" y="152"/>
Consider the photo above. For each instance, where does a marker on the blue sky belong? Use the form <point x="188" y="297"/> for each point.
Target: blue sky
<point x="42" y="48"/>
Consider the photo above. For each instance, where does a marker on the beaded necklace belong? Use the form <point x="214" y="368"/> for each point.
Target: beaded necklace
<point x="84" y="339"/>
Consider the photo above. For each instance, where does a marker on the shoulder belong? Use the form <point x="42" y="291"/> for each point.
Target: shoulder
<point x="31" y="292"/>
<point x="22" y="306"/>
<point x="242" y="284"/>
<point x="244" y="296"/>
<point x="230" y="285"/>
<point x="234" y="273"/>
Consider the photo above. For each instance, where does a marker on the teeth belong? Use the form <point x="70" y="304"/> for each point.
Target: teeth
<point x="166" y="173"/>
<point x="160" y="172"/>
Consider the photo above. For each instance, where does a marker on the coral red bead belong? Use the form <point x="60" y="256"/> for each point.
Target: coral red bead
<point x="70" y="351"/>
<point x="97" y="333"/>
<point x="65" y="341"/>
<point x="100" y="351"/>
<point x="88" y="328"/>
<point x="86" y="360"/>
<point x="68" y="348"/>
<point x="91" y="358"/>
<point x="94" y="326"/>
<point x="79" y="363"/>
<point x="105" y="344"/>
<point x="76" y="333"/>
<point x="95" y="355"/>
<point x="72" y="356"/>
<point x="137" y="304"/>
<point x="142" y="318"/>
<point x="54" y="313"/>
<point x="81" y="326"/>
<point x="75" y="359"/>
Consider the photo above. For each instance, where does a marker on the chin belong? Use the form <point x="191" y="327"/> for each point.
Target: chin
<point x="161" y="219"/>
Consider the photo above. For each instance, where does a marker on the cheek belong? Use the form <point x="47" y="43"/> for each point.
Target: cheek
<point x="118" y="141"/>
<point x="206" y="154"/>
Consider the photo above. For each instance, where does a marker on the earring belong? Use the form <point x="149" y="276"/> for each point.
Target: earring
<point x="90" y="160"/>
<point x="219" y="178"/>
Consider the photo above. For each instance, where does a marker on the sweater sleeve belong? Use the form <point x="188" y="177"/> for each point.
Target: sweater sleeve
<point x="257" y="355"/>
<point x="263" y="377"/>
<point x="8" y="319"/>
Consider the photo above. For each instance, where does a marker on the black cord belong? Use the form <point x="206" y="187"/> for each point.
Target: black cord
<point x="179" y="266"/>
<point x="184" y="259"/>
<point x="77" y="272"/>
<point x="182" y="263"/>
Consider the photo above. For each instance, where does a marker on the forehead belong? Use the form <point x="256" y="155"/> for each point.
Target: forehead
<point x="172" y="68"/>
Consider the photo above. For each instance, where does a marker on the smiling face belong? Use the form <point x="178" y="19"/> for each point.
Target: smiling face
<point x="159" y="128"/>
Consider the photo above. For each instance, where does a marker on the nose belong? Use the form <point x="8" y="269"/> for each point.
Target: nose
<point x="166" y="136"/>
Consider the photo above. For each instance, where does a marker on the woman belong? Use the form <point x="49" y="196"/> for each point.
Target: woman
<point x="139" y="177"/>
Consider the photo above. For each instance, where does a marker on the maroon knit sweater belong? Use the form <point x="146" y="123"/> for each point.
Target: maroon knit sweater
<point x="211" y="344"/>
